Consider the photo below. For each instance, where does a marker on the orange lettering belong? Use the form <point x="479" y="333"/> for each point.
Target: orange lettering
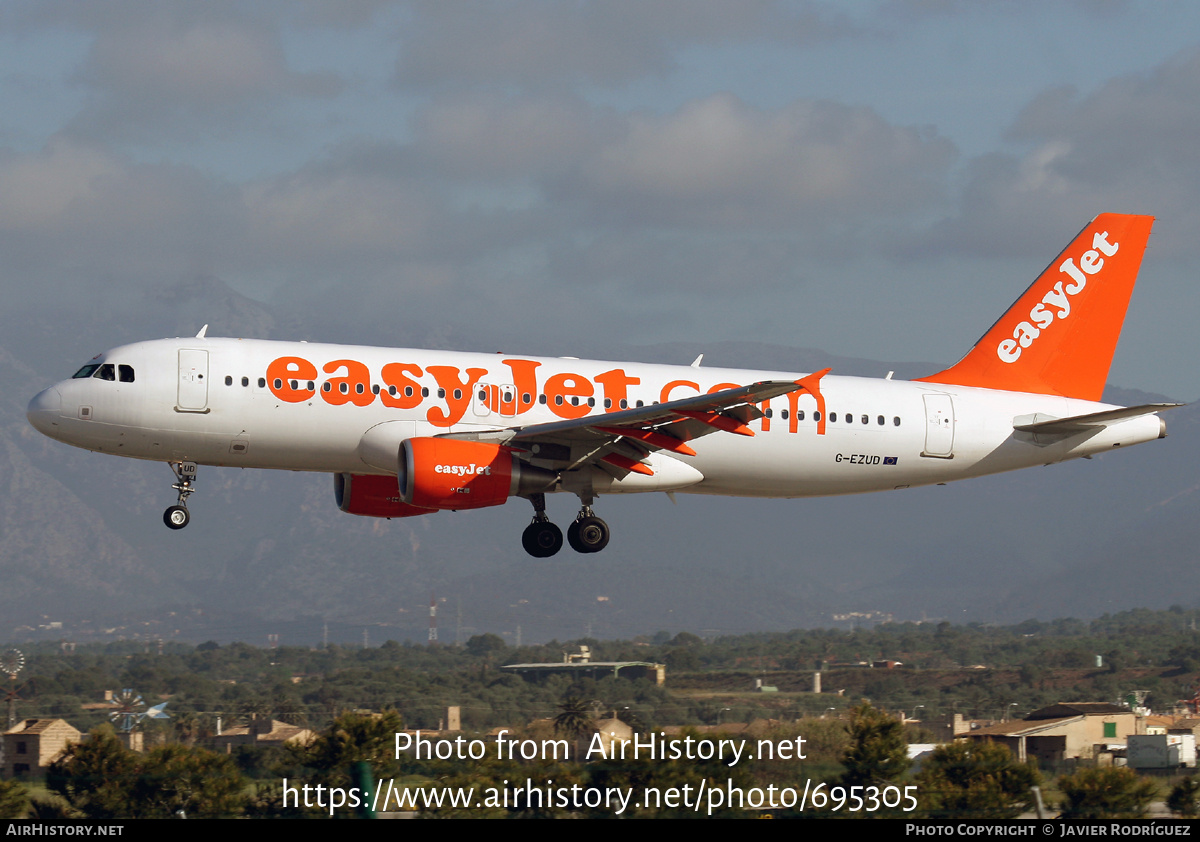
<point x="812" y="385"/>
<point x="793" y="401"/>
<point x="666" y="390"/>
<point x="524" y="378"/>
<point x="396" y="375"/>
<point x="354" y="388"/>
<point x="765" y="406"/>
<point x="615" y="385"/>
<point x="281" y="373"/>
<point x="458" y="393"/>
<point x="561" y="388"/>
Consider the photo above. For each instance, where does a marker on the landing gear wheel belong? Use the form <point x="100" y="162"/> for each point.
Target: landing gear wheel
<point x="542" y="539"/>
<point x="177" y="517"/>
<point x="588" y="535"/>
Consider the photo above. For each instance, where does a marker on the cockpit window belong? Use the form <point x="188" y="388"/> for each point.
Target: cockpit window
<point x="86" y="371"/>
<point x="108" y="371"/>
<point x="125" y="373"/>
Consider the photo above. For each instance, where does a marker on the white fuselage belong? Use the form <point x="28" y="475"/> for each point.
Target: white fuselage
<point x="218" y="401"/>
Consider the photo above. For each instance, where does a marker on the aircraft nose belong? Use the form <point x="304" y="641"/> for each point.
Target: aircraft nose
<point x="45" y="410"/>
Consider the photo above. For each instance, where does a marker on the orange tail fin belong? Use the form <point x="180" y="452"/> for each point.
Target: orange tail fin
<point x="1059" y="337"/>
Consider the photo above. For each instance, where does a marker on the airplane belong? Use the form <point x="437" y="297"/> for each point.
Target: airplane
<point x="408" y="432"/>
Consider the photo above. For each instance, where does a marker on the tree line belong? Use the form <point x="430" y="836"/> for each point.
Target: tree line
<point x="851" y="767"/>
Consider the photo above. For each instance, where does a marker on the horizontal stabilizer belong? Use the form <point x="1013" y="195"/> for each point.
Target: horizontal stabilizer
<point x="1082" y="423"/>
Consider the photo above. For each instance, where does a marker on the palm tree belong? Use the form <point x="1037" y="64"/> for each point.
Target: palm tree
<point x="186" y="726"/>
<point x="573" y="718"/>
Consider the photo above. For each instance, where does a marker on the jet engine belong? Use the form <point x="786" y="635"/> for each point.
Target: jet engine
<point x="372" y="496"/>
<point x="441" y="473"/>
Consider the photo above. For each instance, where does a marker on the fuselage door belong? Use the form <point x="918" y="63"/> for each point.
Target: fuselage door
<point x="482" y="399"/>
<point x="193" y="380"/>
<point x="508" y="400"/>
<point x="939" y="426"/>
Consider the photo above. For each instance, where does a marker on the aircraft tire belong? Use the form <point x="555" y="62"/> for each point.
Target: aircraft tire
<point x="542" y="540"/>
<point x="177" y="517"/>
<point x="588" y="535"/>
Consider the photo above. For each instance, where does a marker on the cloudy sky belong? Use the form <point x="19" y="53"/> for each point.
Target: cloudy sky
<point x="873" y="179"/>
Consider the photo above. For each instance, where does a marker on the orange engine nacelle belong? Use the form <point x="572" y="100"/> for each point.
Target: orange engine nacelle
<point x="372" y="496"/>
<point x="451" y="474"/>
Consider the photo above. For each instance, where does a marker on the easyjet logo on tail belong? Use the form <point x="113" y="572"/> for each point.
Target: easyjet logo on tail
<point x="1056" y="304"/>
<point x="1058" y="338"/>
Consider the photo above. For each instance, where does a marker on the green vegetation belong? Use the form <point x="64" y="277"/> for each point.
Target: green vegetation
<point x="339" y="692"/>
<point x="878" y="751"/>
<point x="101" y="779"/>
<point x="975" y="670"/>
<point x="14" y="800"/>
<point x="573" y="719"/>
<point x="1112" y="793"/>
<point x="1182" y="800"/>
<point x="976" y="780"/>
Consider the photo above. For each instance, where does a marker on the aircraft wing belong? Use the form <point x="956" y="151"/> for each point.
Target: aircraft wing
<point x="619" y="441"/>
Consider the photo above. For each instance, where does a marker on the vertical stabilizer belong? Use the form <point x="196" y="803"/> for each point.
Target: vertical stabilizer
<point x="1060" y="335"/>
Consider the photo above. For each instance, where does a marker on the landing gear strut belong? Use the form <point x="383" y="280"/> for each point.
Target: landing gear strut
<point x="178" y="516"/>
<point x="541" y="538"/>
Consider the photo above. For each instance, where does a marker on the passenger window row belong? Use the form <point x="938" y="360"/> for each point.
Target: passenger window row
<point x="848" y="417"/>
<point x="526" y="398"/>
<point x="344" y="388"/>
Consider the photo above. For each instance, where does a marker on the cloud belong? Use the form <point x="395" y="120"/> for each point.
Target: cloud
<point x="720" y="162"/>
<point x="512" y="137"/>
<point x="39" y="189"/>
<point x="207" y="66"/>
<point x="1129" y="146"/>
<point x="716" y="161"/>
<point x="544" y="44"/>
<point x="1138" y="122"/>
<point x="332" y="213"/>
<point x="496" y="200"/>
<point x="486" y="178"/>
<point x="77" y="207"/>
<point x="183" y="78"/>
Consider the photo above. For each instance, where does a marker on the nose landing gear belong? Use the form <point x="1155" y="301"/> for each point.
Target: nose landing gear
<point x="178" y="516"/>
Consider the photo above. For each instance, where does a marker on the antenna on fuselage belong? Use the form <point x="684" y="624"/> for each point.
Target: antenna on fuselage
<point x="203" y="331"/>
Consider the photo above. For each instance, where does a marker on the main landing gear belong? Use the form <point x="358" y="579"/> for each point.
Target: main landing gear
<point x="178" y="516"/>
<point x="588" y="534"/>
<point x="542" y="539"/>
